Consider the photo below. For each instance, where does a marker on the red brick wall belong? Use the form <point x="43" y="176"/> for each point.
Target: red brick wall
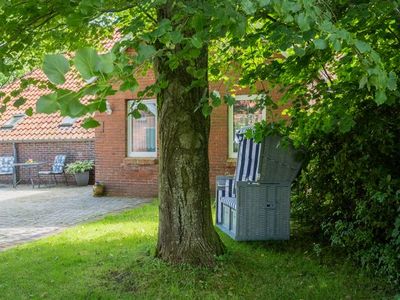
<point x="122" y="175"/>
<point x="46" y="151"/>
<point x="138" y="177"/>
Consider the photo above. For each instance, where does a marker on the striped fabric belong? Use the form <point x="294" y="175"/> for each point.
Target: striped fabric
<point x="246" y="170"/>
<point x="248" y="159"/>
<point x="229" y="201"/>
<point x="6" y="165"/>
<point x="59" y="164"/>
<point x="225" y="191"/>
<point x="221" y="195"/>
<point x="230" y="188"/>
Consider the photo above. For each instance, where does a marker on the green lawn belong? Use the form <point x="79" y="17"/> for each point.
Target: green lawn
<point x="112" y="259"/>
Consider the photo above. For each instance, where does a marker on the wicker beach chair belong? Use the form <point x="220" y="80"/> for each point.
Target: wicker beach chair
<point x="254" y="204"/>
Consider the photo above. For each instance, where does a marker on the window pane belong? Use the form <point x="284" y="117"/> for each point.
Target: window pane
<point x="13" y="121"/>
<point x="245" y="113"/>
<point x="143" y="131"/>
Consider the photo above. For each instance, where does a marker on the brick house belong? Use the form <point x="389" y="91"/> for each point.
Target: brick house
<point x="41" y="137"/>
<point x="126" y="152"/>
<point x="124" y="148"/>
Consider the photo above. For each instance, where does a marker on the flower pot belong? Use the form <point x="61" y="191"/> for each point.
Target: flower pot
<point x="82" y="179"/>
<point x="98" y="189"/>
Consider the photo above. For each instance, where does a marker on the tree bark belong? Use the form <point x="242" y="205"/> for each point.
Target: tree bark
<point x="186" y="233"/>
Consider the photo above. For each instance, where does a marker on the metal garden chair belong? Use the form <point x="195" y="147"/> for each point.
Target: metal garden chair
<point x="7" y="166"/>
<point x="58" y="168"/>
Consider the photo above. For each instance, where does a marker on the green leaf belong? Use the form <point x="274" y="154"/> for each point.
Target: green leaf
<point x="47" y="104"/>
<point x="320" y="44"/>
<point x="145" y="52"/>
<point x="196" y="41"/>
<point x="264" y="3"/>
<point x="136" y="113"/>
<point x="337" y="45"/>
<point x="327" y="26"/>
<point x="299" y="51"/>
<point x="362" y="46"/>
<point x="206" y="109"/>
<point x="97" y="105"/>
<point x="198" y="22"/>
<point x="106" y="63"/>
<point x="130" y="85"/>
<point x="6" y="100"/>
<point x="380" y="97"/>
<point x="86" y="61"/>
<point x="363" y="82"/>
<point x="90" y="90"/>
<point x="20" y="101"/>
<point x="55" y="66"/>
<point x="15" y="93"/>
<point x="229" y="100"/>
<point x="29" y="112"/>
<point x="176" y="37"/>
<point x="70" y="104"/>
<point x="215" y="99"/>
<point x="303" y="22"/>
<point x="215" y="71"/>
<point x="143" y="107"/>
<point x="346" y="123"/>
<point x="392" y="82"/>
<point x="248" y="7"/>
<point x="90" y="123"/>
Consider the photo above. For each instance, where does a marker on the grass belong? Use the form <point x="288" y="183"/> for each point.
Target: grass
<point x="112" y="259"/>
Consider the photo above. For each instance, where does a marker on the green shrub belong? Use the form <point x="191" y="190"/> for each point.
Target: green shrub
<point x="79" y="166"/>
<point x="349" y="191"/>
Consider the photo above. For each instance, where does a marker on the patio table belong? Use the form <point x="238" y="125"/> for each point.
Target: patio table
<point x="30" y="166"/>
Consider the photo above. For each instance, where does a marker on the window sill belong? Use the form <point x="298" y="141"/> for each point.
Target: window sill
<point x="141" y="161"/>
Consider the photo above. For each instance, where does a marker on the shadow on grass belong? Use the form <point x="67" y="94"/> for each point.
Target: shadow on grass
<point x="114" y="259"/>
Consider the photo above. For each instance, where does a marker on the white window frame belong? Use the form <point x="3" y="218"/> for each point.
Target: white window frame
<point x="68" y="122"/>
<point x="135" y="154"/>
<point x="13" y="122"/>
<point x="231" y="137"/>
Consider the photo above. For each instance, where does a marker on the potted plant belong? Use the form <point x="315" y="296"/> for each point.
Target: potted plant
<point x="80" y="169"/>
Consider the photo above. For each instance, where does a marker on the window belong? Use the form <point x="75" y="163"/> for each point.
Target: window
<point x="142" y="132"/>
<point x="10" y="124"/>
<point x="243" y="113"/>
<point x="67" y="122"/>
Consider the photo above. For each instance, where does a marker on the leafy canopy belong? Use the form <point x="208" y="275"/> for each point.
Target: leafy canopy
<point x="295" y="45"/>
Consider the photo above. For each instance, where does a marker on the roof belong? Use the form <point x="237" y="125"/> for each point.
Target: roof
<point x="40" y="127"/>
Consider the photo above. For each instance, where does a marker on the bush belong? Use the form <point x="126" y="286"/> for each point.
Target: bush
<point x="349" y="191"/>
<point x="80" y="166"/>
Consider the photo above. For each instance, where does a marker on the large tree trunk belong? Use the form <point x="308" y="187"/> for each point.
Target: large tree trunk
<point x="186" y="233"/>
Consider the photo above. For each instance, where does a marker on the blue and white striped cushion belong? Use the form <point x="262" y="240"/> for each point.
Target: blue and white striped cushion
<point x="246" y="170"/>
<point x="221" y="194"/>
<point x="229" y="201"/>
<point x="248" y="160"/>
<point x="6" y="165"/>
<point x="59" y="164"/>
<point x="230" y="188"/>
<point x="226" y="191"/>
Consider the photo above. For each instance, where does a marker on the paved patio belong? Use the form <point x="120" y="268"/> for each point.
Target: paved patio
<point x="27" y="214"/>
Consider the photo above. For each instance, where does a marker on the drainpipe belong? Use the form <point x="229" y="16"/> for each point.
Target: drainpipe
<point x="15" y="154"/>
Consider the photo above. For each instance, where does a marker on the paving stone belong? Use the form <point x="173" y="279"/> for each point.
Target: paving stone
<point x="27" y="214"/>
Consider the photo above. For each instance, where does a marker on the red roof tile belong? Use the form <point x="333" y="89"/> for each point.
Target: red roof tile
<point x="40" y="127"/>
